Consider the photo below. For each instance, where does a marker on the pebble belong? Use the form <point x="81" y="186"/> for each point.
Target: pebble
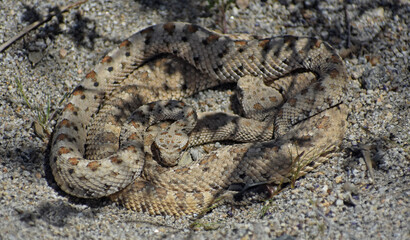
<point x="339" y="202"/>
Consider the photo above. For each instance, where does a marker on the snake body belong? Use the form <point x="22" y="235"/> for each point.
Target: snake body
<point x="291" y="90"/>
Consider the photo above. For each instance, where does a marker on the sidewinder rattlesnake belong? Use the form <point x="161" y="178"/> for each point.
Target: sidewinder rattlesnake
<point x="291" y="90"/>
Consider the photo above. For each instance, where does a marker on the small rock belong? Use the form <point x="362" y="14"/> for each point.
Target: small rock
<point x="338" y="179"/>
<point x="242" y="4"/>
<point x="373" y="60"/>
<point x="63" y="53"/>
<point x="348" y="187"/>
<point x="339" y="202"/>
<point x="35" y="57"/>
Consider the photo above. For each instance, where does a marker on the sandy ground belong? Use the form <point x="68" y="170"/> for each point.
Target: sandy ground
<point x="343" y="199"/>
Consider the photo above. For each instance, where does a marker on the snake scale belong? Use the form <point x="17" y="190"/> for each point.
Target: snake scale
<point x="124" y="127"/>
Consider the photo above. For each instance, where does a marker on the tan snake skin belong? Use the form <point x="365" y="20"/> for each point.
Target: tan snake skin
<point x="290" y="88"/>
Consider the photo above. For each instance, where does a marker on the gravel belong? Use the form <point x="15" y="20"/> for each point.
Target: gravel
<point x="342" y="199"/>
